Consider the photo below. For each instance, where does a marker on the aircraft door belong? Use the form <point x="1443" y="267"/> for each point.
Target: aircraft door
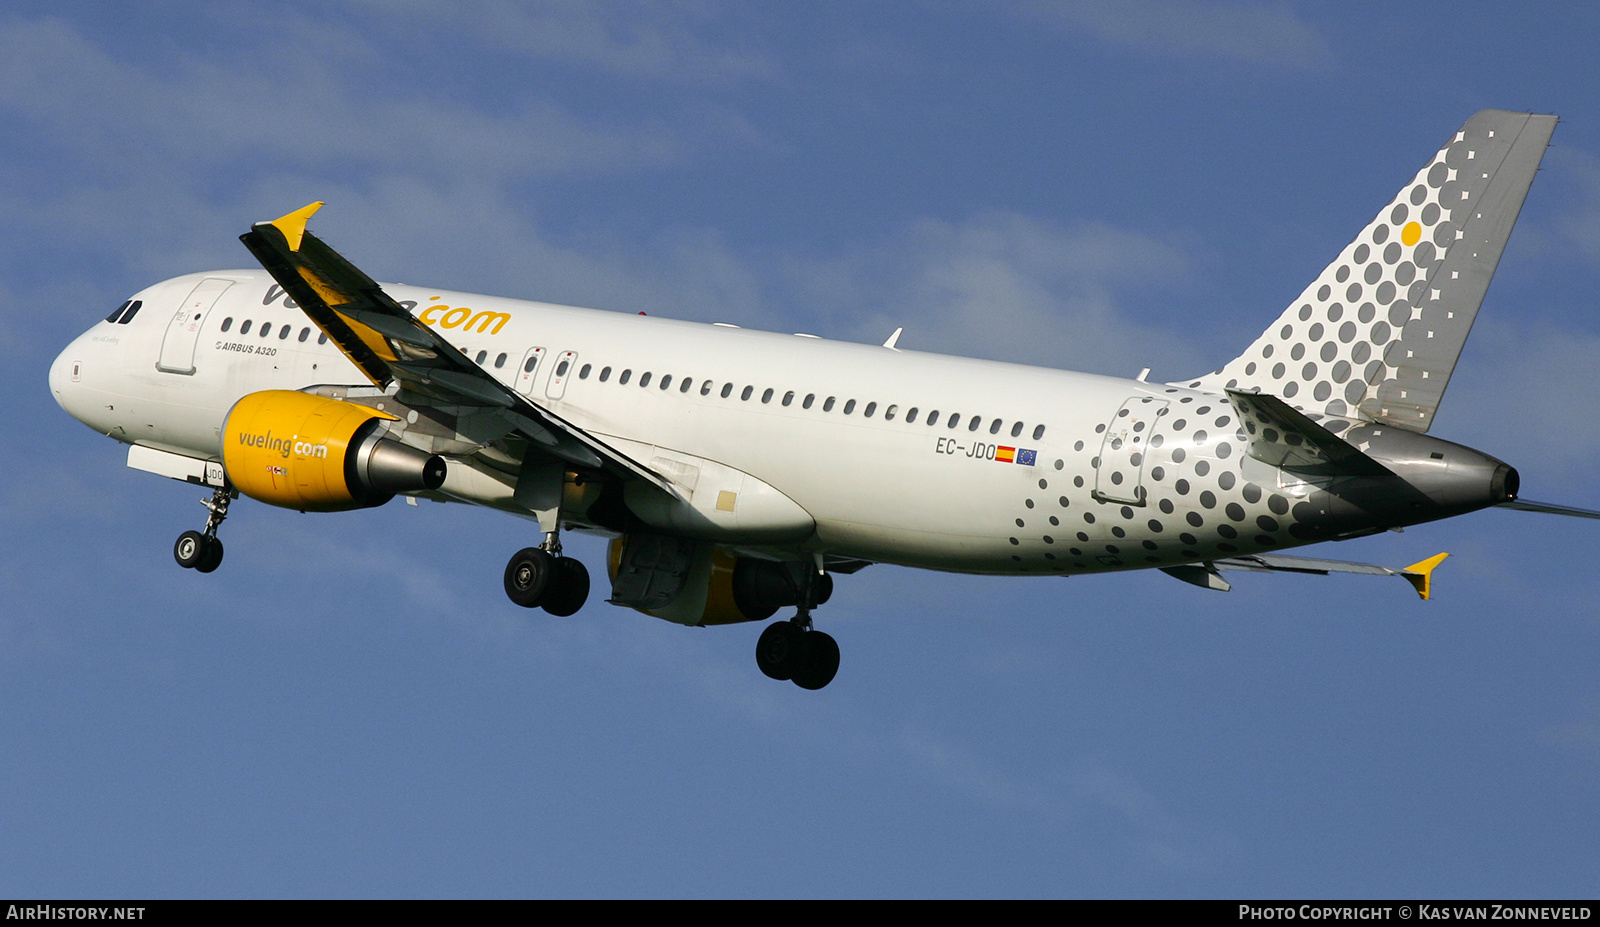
<point x="177" y="348"/>
<point x="527" y="373"/>
<point x="563" y="372"/>
<point x="1119" y="475"/>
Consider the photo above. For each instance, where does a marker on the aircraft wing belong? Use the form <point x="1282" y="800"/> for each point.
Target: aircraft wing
<point x="389" y="345"/>
<point x="1205" y="575"/>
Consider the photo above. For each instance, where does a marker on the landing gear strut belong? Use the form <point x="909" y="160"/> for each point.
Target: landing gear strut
<point x="202" y="550"/>
<point x="795" y="651"/>
<point x="539" y="577"/>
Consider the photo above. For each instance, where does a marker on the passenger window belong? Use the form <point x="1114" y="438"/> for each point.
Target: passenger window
<point x="727" y="390"/>
<point x="283" y="333"/>
<point x="583" y="372"/>
<point x="605" y="373"/>
<point x="955" y="419"/>
<point x="666" y="381"/>
<point x="266" y="329"/>
<point x="322" y="338"/>
<point x="766" y="397"/>
<point x="1038" y="432"/>
<point x="705" y="388"/>
<point x="684" y="386"/>
<point x="976" y="421"/>
<point x="245" y="328"/>
<point x="644" y="379"/>
<point x="227" y="323"/>
<point x="871" y="408"/>
<point x="1016" y="429"/>
<point x="810" y="398"/>
<point x="746" y="394"/>
<point x="788" y="397"/>
<point x="499" y="360"/>
<point x="933" y="417"/>
<point x="561" y="368"/>
<point x="115" y="313"/>
<point x="626" y="376"/>
<point x="849" y="406"/>
<point x="911" y="416"/>
<point x="484" y="355"/>
<point x="888" y="414"/>
<point x="304" y="334"/>
<point x="994" y="427"/>
<point x="532" y="362"/>
<point x="827" y="405"/>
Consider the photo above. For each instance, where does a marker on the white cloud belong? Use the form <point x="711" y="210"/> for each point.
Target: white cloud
<point x="682" y="41"/>
<point x="1579" y="226"/>
<point x="1256" y="33"/>
<point x="1005" y="286"/>
<point x="1535" y="408"/>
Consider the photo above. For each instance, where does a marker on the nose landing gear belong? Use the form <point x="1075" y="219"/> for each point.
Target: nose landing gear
<point x="202" y="550"/>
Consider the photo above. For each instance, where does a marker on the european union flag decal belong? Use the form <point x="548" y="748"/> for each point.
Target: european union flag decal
<point x="1025" y="457"/>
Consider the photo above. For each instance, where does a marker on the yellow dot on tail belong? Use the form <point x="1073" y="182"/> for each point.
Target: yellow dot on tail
<point x="1411" y="234"/>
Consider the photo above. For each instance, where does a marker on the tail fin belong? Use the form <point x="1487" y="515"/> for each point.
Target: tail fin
<point x="1377" y="335"/>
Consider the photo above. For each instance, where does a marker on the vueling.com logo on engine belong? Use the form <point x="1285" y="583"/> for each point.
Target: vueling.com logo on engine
<point x="284" y="446"/>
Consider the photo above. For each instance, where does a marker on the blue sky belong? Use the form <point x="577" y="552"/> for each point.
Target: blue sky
<point x="350" y="707"/>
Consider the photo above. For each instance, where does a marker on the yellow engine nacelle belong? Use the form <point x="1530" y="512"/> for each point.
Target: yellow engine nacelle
<point x="315" y="454"/>
<point x="699" y="583"/>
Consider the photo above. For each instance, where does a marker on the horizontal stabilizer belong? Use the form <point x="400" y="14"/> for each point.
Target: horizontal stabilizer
<point x="1282" y="436"/>
<point x="1523" y="505"/>
<point x="1419" y="575"/>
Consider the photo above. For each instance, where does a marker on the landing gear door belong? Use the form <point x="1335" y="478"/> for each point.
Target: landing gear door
<point x="1119" y="472"/>
<point x="529" y="370"/>
<point x="563" y="372"/>
<point x="177" y="348"/>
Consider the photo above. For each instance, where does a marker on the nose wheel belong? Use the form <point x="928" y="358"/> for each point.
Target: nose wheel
<point x="201" y="551"/>
<point x="538" y="577"/>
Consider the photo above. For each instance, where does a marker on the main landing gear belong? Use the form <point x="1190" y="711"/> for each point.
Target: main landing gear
<point x="792" y="649"/>
<point x="539" y="577"/>
<point x="202" y="550"/>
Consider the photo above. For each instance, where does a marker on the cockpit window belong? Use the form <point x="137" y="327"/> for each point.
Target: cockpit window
<point x="132" y="307"/>
<point x="118" y="311"/>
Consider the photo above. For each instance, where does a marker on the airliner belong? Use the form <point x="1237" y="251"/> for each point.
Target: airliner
<point x="738" y="472"/>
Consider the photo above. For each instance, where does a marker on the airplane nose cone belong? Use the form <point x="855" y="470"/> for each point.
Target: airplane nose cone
<point x="61" y="374"/>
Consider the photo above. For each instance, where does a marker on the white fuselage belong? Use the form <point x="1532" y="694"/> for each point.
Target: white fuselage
<point x="828" y="425"/>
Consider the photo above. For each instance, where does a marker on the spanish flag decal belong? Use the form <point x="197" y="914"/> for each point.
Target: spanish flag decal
<point x="1006" y="455"/>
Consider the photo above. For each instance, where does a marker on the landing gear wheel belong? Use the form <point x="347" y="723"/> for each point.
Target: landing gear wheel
<point x="781" y="650"/>
<point x="212" y="558"/>
<point x="190" y="550"/>
<point x="569" y="588"/>
<point x="822" y="661"/>
<point x="528" y="576"/>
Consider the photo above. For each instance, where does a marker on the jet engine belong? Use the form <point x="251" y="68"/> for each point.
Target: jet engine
<point x="699" y="583"/>
<point x="316" y="454"/>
